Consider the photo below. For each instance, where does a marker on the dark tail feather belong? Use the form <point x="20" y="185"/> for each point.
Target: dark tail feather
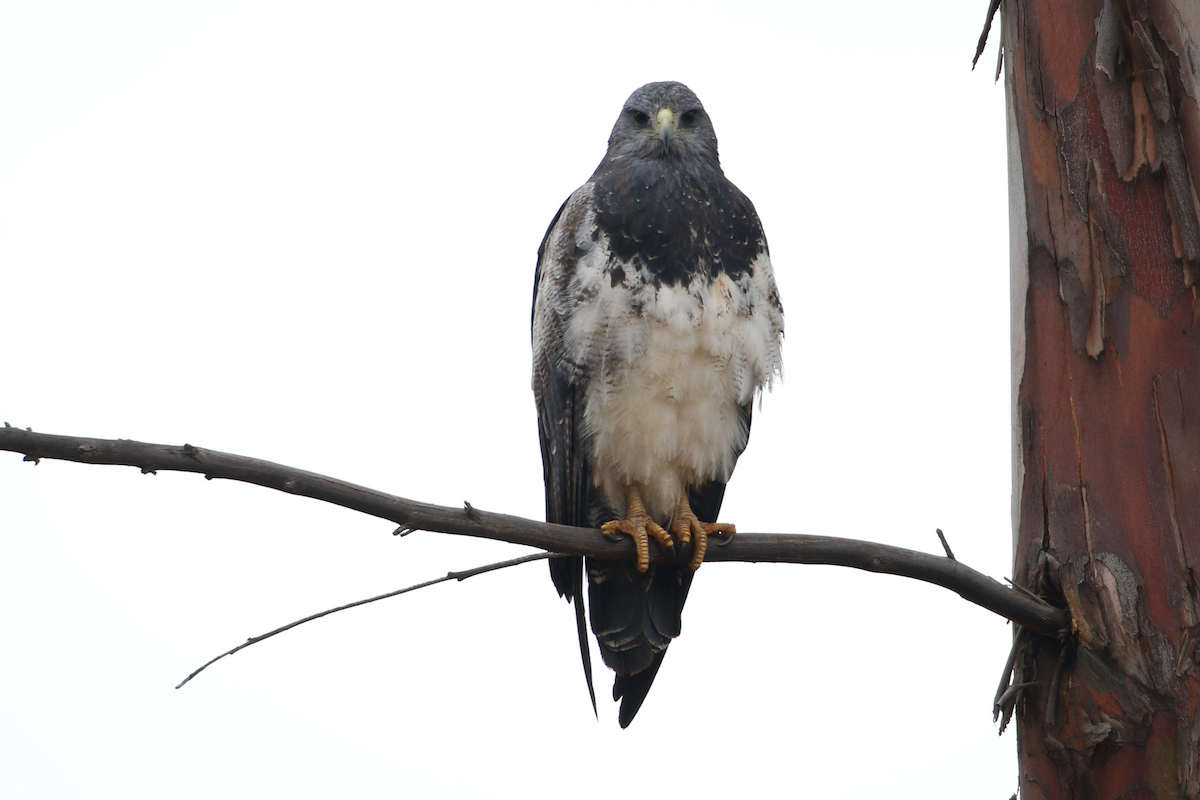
<point x="584" y="652"/>
<point x="568" y="579"/>
<point x="634" y="616"/>
<point x="631" y="690"/>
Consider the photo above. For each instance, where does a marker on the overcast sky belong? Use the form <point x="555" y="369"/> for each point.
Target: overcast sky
<point x="306" y="233"/>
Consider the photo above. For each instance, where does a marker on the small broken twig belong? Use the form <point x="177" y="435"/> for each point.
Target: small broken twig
<point x="1052" y="694"/>
<point x="450" y="576"/>
<point x="1008" y="680"/>
<point x="1023" y="590"/>
<point x="987" y="27"/>
<point x="1009" y="699"/>
<point x="946" y="546"/>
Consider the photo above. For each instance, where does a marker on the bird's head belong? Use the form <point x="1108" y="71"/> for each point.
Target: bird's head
<point x="663" y="121"/>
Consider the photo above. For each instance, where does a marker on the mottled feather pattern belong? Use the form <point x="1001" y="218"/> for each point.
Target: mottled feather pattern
<point x="656" y="321"/>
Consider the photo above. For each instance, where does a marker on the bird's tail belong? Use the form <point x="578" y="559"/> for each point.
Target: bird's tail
<point x="631" y="690"/>
<point x="635" y="616"/>
<point x="567" y="573"/>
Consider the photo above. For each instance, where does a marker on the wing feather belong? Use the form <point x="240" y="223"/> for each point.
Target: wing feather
<point x="560" y="404"/>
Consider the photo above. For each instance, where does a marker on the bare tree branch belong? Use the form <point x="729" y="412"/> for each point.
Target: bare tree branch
<point x="1020" y="607"/>
<point x="449" y="576"/>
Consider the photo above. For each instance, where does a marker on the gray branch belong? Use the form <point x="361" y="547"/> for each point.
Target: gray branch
<point x="1022" y="608"/>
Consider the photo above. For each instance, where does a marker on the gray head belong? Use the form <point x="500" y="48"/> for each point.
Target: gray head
<point x="663" y="121"/>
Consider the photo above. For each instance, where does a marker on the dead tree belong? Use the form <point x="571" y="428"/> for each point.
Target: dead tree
<point x="1104" y="156"/>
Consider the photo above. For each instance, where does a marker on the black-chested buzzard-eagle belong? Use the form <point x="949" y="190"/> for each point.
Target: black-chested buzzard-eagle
<point x="656" y="321"/>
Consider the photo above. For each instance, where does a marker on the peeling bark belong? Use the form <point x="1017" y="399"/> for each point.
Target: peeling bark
<point x="1104" y="129"/>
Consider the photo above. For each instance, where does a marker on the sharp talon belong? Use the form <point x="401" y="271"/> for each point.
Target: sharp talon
<point x="613" y="529"/>
<point x="689" y="528"/>
<point x="726" y="539"/>
<point x="659" y="533"/>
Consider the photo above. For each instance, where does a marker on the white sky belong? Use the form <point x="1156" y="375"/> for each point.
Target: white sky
<point x="234" y="224"/>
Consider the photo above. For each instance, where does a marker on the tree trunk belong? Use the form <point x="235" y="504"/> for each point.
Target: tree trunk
<point x="1104" y="156"/>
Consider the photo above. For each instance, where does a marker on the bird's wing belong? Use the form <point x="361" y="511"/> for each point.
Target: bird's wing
<point x="559" y="390"/>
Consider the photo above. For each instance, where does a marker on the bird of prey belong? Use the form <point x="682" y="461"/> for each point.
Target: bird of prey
<point x="656" y="321"/>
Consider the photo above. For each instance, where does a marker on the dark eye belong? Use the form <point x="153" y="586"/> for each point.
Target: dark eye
<point x="640" y="117"/>
<point x="690" y="117"/>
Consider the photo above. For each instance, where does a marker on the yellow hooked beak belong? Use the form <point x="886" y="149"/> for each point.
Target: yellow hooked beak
<point x="664" y="126"/>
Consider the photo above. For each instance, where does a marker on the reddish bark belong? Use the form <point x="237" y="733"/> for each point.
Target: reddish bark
<point x="1104" y="132"/>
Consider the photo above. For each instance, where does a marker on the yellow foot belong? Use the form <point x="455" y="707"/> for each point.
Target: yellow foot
<point x="685" y="525"/>
<point x="638" y="525"/>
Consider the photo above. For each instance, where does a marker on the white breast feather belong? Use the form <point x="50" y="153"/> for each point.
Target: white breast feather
<point x="666" y="380"/>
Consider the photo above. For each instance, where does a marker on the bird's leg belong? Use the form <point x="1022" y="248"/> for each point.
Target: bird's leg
<point x="638" y="524"/>
<point x="685" y="525"/>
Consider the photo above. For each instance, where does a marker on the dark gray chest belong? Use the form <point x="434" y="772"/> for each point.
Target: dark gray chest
<point x="677" y="223"/>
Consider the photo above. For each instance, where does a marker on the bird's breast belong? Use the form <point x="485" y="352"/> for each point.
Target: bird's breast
<point x="669" y="367"/>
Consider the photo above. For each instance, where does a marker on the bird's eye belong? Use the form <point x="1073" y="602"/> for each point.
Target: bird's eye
<point x="640" y="117"/>
<point x="689" y="117"/>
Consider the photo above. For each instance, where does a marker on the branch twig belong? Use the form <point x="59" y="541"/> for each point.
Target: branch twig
<point x="987" y="28"/>
<point x="946" y="545"/>
<point x="1008" y="700"/>
<point x="1031" y="612"/>
<point x="449" y="576"/>
<point x="1011" y="676"/>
